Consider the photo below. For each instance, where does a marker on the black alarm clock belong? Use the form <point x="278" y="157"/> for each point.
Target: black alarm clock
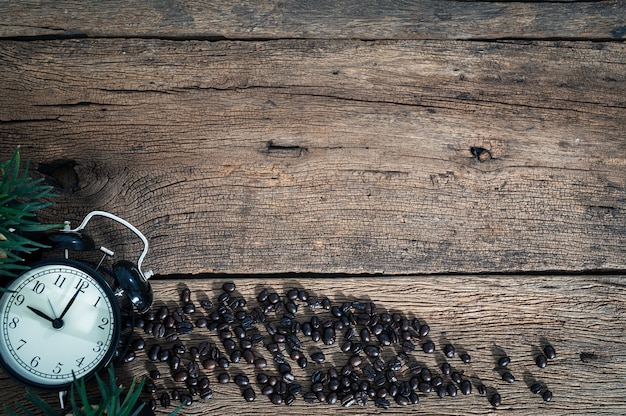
<point x="62" y="319"/>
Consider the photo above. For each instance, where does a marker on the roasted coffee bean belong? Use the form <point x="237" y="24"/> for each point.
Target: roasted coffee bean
<point x="138" y="344"/>
<point x="130" y="356"/>
<point x="318" y="357"/>
<point x="150" y="387"/>
<point x="446" y="369"/>
<point x="223" y="298"/>
<point x="347" y="400"/>
<point x="394" y="364"/>
<point x="466" y="387"/>
<point x="549" y="352"/>
<point x="383" y="339"/>
<point x="372" y="350"/>
<point x="448" y="350"/>
<point x="293" y="342"/>
<point x="310" y="397"/>
<point x="495" y="400"/>
<point x="201" y="322"/>
<point x="329" y="336"/>
<point x="228" y="287"/>
<point x="424" y="387"/>
<point x="273" y="298"/>
<point x="178" y="315"/>
<point x="408" y="346"/>
<point x="165" y="399"/>
<point x="206" y="304"/>
<point x="229" y="344"/>
<point x="193" y="369"/>
<point x="428" y="347"/>
<point x="452" y="390"/>
<point x="436" y="381"/>
<point x="223" y="378"/>
<point x="262" y="296"/>
<point x="504" y="361"/>
<point x="203" y="383"/>
<point x="382" y="403"/>
<point x="180" y="376"/>
<point x="303" y="295"/>
<point x="192" y="382"/>
<point x="332" y="397"/>
<point x="466" y="358"/>
<point x="184" y="327"/>
<point x="508" y="377"/>
<point x="402" y="401"/>
<point x="248" y="394"/>
<point x="175" y="394"/>
<point x="314" y="302"/>
<point x="456" y="377"/>
<point x="424" y="330"/>
<point x="441" y="391"/>
<point x="241" y="380"/>
<point x="153" y="352"/>
<point x="541" y="361"/>
<point x="155" y="374"/>
<point x="162" y="313"/>
<point x="536" y="388"/>
<point x="260" y="363"/>
<point x="547" y="395"/>
<point x="267" y="390"/>
<point x="222" y="362"/>
<point x="280" y="387"/>
<point x="355" y="361"/>
<point x="149" y="316"/>
<point x="158" y="330"/>
<point x="206" y="393"/>
<point x="425" y="374"/>
<point x="284" y="368"/>
<point x="164" y="355"/>
<point x="185" y="295"/>
<point x="148" y="328"/>
<point x="209" y="364"/>
<point x="302" y="362"/>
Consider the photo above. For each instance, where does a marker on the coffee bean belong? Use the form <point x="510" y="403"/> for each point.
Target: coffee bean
<point x="193" y="369"/>
<point x="228" y="287"/>
<point x="248" y="394"/>
<point x="184" y="327"/>
<point x="223" y="378"/>
<point x="401" y="400"/>
<point x="424" y="330"/>
<point x="241" y="380"/>
<point x="303" y="295"/>
<point x="541" y="361"/>
<point x="155" y="374"/>
<point x="456" y="377"/>
<point x="138" y="344"/>
<point x="158" y="330"/>
<point x="448" y="350"/>
<point x="495" y="400"/>
<point x="452" y="391"/>
<point x="508" y="377"/>
<point x="547" y="395"/>
<point x="504" y="361"/>
<point x="466" y="387"/>
<point x="276" y="398"/>
<point x="318" y="357"/>
<point x="446" y="369"/>
<point x="130" y="356"/>
<point x="549" y="352"/>
<point x="428" y="347"/>
<point x="466" y="358"/>
<point x="203" y="383"/>
<point x="436" y="381"/>
<point x="273" y="298"/>
<point x="355" y="361"/>
<point x="185" y="295"/>
<point x="348" y="400"/>
<point x="206" y="304"/>
<point x="536" y="388"/>
<point x="209" y="364"/>
<point x="394" y="364"/>
<point x="206" y="393"/>
<point x="441" y="391"/>
<point x="260" y="363"/>
<point x="153" y="352"/>
<point x="262" y="296"/>
<point x="165" y="399"/>
<point x="372" y="351"/>
<point x="150" y="387"/>
<point x="180" y="375"/>
<point x="424" y="387"/>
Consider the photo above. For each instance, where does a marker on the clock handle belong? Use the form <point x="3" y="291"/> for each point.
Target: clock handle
<point x="128" y="225"/>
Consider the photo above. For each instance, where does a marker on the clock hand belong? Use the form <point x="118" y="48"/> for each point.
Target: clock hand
<point x="67" y="307"/>
<point x="39" y="313"/>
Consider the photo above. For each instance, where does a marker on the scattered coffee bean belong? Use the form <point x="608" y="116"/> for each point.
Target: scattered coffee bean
<point x="504" y="361"/>
<point x="547" y="396"/>
<point x="248" y="394"/>
<point x="536" y="388"/>
<point x="549" y="352"/>
<point x="448" y="350"/>
<point x="466" y="387"/>
<point x="508" y="377"/>
<point x="428" y="347"/>
<point x="541" y="361"/>
<point x="495" y="400"/>
<point x="223" y="378"/>
<point x="466" y="358"/>
<point x="165" y="399"/>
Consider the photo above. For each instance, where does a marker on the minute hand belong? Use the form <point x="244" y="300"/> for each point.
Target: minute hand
<point x="67" y="307"/>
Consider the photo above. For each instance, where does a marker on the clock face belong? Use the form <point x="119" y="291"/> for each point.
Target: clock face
<point x="60" y="321"/>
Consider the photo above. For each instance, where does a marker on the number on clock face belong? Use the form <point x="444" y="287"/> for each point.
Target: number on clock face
<point x="59" y="322"/>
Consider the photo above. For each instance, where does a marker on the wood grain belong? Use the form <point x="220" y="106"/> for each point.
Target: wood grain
<point x="388" y="19"/>
<point x="487" y="316"/>
<point x="332" y="157"/>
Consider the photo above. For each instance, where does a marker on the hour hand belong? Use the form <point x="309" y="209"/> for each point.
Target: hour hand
<point x="38" y="312"/>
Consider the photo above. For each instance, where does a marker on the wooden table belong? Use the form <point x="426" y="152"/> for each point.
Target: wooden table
<point x="462" y="163"/>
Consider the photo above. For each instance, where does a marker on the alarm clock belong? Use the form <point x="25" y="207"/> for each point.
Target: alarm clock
<point x="62" y="319"/>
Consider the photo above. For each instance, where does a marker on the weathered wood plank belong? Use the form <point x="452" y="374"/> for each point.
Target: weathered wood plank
<point x="389" y="19"/>
<point x="488" y="316"/>
<point x="314" y="156"/>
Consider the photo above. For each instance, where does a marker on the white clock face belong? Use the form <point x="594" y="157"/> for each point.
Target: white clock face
<point x="59" y="322"/>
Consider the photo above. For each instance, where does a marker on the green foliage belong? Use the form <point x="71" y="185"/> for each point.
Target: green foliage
<point x="113" y="400"/>
<point x="20" y="198"/>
